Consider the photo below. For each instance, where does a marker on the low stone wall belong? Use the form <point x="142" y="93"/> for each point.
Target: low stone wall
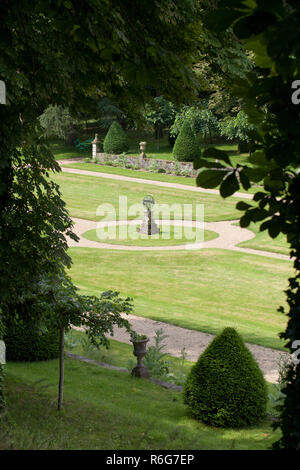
<point x="149" y="164"/>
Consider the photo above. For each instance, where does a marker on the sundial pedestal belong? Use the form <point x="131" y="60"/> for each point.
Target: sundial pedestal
<point x="148" y="226"/>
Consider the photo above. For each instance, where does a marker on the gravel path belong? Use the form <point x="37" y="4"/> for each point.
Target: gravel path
<point x="195" y="342"/>
<point x="178" y="338"/>
<point x="229" y="236"/>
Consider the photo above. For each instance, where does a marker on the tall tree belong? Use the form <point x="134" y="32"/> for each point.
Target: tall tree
<point x="64" y="53"/>
<point x="271" y="31"/>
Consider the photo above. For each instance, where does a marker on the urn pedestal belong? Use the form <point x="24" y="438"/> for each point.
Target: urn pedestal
<point x="140" y="350"/>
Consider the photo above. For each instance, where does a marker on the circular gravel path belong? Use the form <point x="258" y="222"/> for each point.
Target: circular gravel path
<point x="178" y="338"/>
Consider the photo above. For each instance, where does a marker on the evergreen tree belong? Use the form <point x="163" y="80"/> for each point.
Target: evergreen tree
<point x="116" y="141"/>
<point x="226" y="386"/>
<point x="186" y="147"/>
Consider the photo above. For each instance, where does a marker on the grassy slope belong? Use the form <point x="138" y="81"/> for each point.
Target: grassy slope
<point x="83" y="194"/>
<point x="218" y="288"/>
<point x="106" y="409"/>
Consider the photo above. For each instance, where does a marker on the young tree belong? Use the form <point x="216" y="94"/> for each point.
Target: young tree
<point x="160" y="113"/>
<point x="237" y="127"/>
<point x="201" y="120"/>
<point x="271" y="31"/>
<point x="55" y="121"/>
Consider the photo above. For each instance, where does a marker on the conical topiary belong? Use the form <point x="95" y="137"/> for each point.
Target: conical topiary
<point x="116" y="141"/>
<point x="186" y="147"/>
<point x="226" y="387"/>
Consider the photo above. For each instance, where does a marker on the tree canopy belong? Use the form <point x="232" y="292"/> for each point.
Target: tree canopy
<point x="271" y="31"/>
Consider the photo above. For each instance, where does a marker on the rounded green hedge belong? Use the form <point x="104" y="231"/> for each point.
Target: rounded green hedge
<point x="25" y="343"/>
<point x="186" y="147"/>
<point x="226" y="387"/>
<point x="116" y="141"/>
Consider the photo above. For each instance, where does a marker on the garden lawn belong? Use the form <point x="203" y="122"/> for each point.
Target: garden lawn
<point x="106" y="409"/>
<point x="62" y="151"/>
<point x="205" y="290"/>
<point x="83" y="194"/>
<point x="263" y="241"/>
<point x="176" y="236"/>
<point x="121" y="355"/>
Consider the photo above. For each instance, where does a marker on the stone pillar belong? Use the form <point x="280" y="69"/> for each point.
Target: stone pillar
<point x="148" y="226"/>
<point x="95" y="144"/>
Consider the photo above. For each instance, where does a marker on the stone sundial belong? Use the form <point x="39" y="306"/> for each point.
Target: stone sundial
<point x="148" y="226"/>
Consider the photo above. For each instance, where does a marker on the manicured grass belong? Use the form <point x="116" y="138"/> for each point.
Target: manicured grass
<point x="205" y="290"/>
<point x="263" y="241"/>
<point x="174" y="236"/>
<point x="62" y="151"/>
<point x="106" y="409"/>
<point x="147" y="175"/>
<point x="133" y="173"/>
<point x="83" y="194"/>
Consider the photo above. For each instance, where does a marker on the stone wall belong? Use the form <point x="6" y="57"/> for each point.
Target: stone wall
<point x="148" y="164"/>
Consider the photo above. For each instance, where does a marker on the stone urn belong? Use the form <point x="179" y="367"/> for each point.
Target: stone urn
<point x="140" y="350"/>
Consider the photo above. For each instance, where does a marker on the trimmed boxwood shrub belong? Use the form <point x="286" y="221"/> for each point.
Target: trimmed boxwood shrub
<point x="226" y="387"/>
<point x="25" y="343"/>
<point x="186" y="147"/>
<point x="116" y="141"/>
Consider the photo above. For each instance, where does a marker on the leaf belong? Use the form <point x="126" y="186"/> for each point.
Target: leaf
<point x="229" y="185"/>
<point x="245" y="220"/>
<point x="218" y="154"/>
<point x="210" y="178"/>
<point x="221" y="19"/>
<point x="205" y="163"/>
<point x="244" y="180"/>
<point x="243" y="206"/>
<point x="274" y="228"/>
<point x="255" y="174"/>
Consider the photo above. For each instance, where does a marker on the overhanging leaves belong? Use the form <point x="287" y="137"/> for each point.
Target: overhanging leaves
<point x="210" y="178"/>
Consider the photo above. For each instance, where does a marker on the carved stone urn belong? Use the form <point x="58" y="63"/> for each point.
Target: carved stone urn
<point x="140" y="350"/>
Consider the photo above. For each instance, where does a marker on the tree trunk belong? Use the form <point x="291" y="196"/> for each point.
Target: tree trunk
<point x="61" y="369"/>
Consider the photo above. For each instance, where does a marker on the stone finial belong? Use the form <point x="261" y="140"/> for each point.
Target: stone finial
<point x="142" y="149"/>
<point x="96" y="140"/>
<point x="95" y="143"/>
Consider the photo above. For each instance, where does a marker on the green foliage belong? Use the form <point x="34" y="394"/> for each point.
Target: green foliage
<point x="226" y="388"/>
<point x="160" y="113"/>
<point x="116" y="140"/>
<point x="237" y="127"/>
<point x="202" y="121"/>
<point x="186" y="147"/>
<point x="2" y="398"/>
<point x="25" y="341"/>
<point x="271" y="32"/>
<point x="55" y="120"/>
<point x="108" y="112"/>
<point x="155" y="358"/>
